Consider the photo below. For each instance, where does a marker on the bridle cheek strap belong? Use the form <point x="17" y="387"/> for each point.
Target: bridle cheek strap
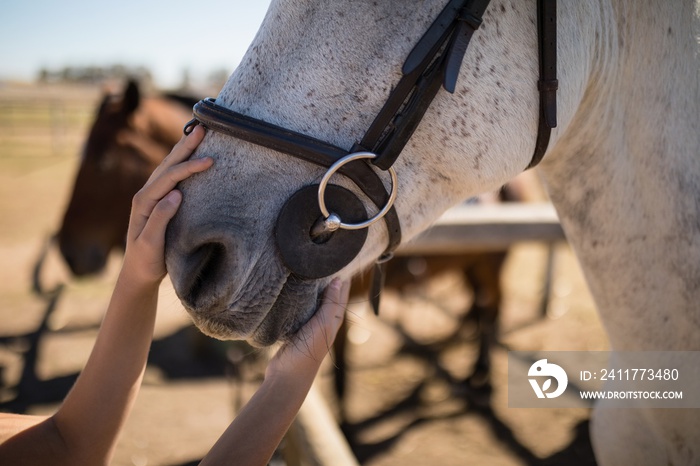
<point x="548" y="83"/>
<point x="433" y="62"/>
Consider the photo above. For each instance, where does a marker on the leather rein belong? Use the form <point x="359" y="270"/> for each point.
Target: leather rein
<point x="310" y="247"/>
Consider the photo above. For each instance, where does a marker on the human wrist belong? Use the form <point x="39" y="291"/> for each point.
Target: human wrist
<point x="291" y="371"/>
<point x="135" y="280"/>
<point x="290" y="383"/>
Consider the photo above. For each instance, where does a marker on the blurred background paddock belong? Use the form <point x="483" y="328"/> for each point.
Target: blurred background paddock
<point x="44" y="121"/>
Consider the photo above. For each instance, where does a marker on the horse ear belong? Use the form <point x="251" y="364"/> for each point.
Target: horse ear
<point x="132" y="96"/>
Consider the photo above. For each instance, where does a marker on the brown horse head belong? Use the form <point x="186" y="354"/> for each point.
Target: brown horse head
<point x="131" y="134"/>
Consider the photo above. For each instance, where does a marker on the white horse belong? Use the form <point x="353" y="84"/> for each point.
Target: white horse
<point x="622" y="168"/>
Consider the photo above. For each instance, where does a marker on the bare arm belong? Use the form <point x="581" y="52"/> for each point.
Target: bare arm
<point x="252" y="437"/>
<point x="86" y="426"/>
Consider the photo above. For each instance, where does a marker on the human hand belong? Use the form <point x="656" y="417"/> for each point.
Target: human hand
<point x="155" y="204"/>
<point x="303" y="354"/>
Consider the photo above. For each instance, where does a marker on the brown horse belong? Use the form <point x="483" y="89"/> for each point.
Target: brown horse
<point x="131" y="134"/>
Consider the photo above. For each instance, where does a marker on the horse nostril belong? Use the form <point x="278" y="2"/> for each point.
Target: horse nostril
<point x="203" y="266"/>
<point x="206" y="264"/>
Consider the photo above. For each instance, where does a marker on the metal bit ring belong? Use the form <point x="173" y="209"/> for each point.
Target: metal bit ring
<point x="334" y="168"/>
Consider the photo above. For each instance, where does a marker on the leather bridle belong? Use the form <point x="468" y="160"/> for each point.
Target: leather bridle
<point x="310" y="243"/>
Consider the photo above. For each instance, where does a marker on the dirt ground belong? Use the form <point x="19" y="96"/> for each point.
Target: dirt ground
<point x="403" y="406"/>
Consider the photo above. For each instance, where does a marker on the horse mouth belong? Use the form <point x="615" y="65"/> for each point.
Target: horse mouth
<point x="294" y="306"/>
<point x="264" y="324"/>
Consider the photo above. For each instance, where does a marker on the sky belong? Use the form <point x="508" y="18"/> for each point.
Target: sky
<point x="165" y="36"/>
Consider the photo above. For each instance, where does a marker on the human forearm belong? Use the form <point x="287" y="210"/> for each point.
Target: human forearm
<point x="85" y="428"/>
<point x="253" y="436"/>
<point x="96" y="408"/>
<point x="94" y="411"/>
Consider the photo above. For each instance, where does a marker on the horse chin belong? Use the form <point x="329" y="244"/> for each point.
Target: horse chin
<point x="295" y="304"/>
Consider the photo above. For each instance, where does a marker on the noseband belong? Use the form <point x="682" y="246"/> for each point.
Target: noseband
<point x="321" y="228"/>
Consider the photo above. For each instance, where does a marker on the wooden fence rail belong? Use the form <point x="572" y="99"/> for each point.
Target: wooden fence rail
<point x="44" y="127"/>
<point x="482" y="227"/>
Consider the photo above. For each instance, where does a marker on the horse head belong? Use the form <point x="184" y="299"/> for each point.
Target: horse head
<point x="319" y="69"/>
<point x="130" y="135"/>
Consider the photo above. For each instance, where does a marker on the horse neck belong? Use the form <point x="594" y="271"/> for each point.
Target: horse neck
<point x="156" y="127"/>
<point x="624" y="174"/>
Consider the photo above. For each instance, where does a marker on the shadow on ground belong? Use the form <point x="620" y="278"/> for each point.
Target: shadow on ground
<point x="185" y="354"/>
